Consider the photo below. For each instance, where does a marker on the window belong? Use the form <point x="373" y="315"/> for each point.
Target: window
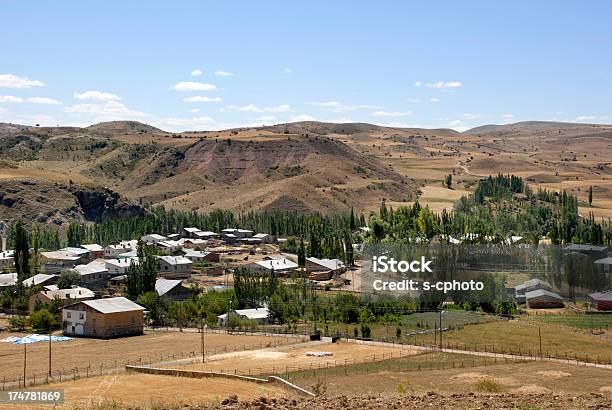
<point x="81" y="316"/>
<point x="68" y="314"/>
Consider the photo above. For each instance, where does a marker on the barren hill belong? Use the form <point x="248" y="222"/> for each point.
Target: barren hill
<point x="310" y="166"/>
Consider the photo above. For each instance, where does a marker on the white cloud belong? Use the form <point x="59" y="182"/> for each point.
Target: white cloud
<point x="582" y="118"/>
<point x="302" y="117"/>
<point x="200" y="98"/>
<point x="391" y="113"/>
<point x="266" y="118"/>
<point x="255" y="108"/>
<point x="287" y="71"/>
<point x="194" y="86"/>
<point x="336" y="106"/>
<point x="279" y="108"/>
<point x="468" y="116"/>
<point x="224" y="73"/>
<point x="44" y="100"/>
<point x="443" y="85"/>
<point x="413" y="100"/>
<point x="196" y="73"/>
<point x="434" y="100"/>
<point x="417" y="83"/>
<point x="34" y="100"/>
<point x="507" y="116"/>
<point x="341" y="120"/>
<point x="93" y="95"/>
<point x="195" y="110"/>
<point x="10" y="99"/>
<point x="110" y="110"/>
<point x="14" y="81"/>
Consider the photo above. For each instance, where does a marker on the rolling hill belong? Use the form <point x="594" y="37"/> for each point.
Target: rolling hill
<point x="307" y="166"/>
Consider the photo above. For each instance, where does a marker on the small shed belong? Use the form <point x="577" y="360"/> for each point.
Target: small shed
<point x="543" y="299"/>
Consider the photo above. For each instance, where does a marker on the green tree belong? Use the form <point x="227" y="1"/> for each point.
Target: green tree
<point x="155" y="305"/>
<point x="42" y="319"/>
<point x="301" y="254"/>
<point x="449" y="181"/>
<point x="591" y="195"/>
<point x="22" y="252"/>
<point x="68" y="278"/>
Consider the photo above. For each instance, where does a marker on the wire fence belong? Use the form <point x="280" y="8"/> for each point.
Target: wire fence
<point x="118" y="366"/>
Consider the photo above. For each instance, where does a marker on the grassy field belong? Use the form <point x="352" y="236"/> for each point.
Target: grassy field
<point x="521" y="337"/>
<point x="593" y="321"/>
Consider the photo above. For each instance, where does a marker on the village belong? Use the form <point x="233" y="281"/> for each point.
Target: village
<point x="238" y="304"/>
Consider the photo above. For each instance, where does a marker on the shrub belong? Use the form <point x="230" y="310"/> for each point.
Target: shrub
<point x="487" y="386"/>
<point x="42" y="319"/>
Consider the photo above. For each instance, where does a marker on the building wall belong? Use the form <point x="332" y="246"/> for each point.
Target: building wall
<point x="87" y="322"/>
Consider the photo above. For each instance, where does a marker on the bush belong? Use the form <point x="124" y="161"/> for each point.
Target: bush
<point x="42" y="319"/>
<point x="18" y="322"/>
<point x="487" y="386"/>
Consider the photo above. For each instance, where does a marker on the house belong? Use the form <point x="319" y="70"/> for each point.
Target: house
<point x="67" y="296"/>
<point x="172" y="289"/>
<point x="603" y="300"/>
<point x="259" y="315"/>
<point x="594" y="251"/>
<point x="127" y="255"/>
<point x="229" y="238"/>
<point x="152" y="239"/>
<point x="198" y="256"/>
<point x="528" y="286"/>
<point x="542" y="299"/>
<point x="198" y="244"/>
<point x="7" y="259"/>
<point x="278" y="266"/>
<point x="168" y="246"/>
<point x="324" y="269"/>
<point x="264" y="238"/>
<point x="103" y="318"/>
<point x="119" y="266"/>
<point x="238" y="233"/>
<point x="41" y="279"/>
<point x="174" y="267"/>
<point x="174" y="236"/>
<point x="65" y="258"/>
<point x="112" y="251"/>
<point x="94" y="272"/>
<point x="8" y="279"/>
<point x="205" y="235"/>
<point x="605" y="263"/>
<point x="95" y="251"/>
<point x="318" y="265"/>
<point x="190" y="232"/>
<point x="514" y="240"/>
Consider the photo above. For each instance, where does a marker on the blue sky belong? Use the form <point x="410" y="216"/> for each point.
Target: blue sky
<point x="195" y="65"/>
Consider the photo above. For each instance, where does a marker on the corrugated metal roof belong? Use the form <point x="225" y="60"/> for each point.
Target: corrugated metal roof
<point x="542" y="292"/>
<point x="113" y="305"/>
<point x="163" y="286"/>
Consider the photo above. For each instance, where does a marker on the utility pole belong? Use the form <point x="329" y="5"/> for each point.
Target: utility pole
<point x="441" y="329"/>
<point x="203" y="338"/>
<point x="49" y="376"/>
<point x="227" y="319"/>
<point x="25" y="355"/>
<point x="540" y="337"/>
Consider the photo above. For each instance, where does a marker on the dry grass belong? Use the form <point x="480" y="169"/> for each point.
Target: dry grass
<point x="152" y="390"/>
<point x="100" y="354"/>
